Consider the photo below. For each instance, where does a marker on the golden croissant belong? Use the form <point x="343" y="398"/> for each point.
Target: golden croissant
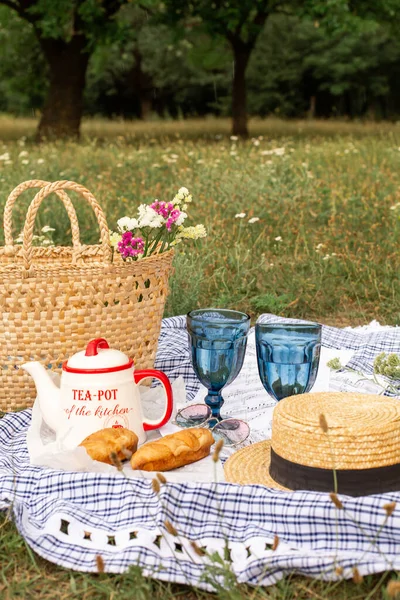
<point x="173" y="451"/>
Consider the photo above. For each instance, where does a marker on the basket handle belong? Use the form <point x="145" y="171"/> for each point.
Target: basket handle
<point x="56" y="187"/>
<point x="37" y="183"/>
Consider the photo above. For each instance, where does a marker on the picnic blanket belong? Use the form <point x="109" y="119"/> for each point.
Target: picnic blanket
<point x="72" y="518"/>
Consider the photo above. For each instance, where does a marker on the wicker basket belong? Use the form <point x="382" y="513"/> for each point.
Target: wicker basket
<point x="53" y="300"/>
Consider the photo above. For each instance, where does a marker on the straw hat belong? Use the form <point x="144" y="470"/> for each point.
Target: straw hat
<point x="317" y="436"/>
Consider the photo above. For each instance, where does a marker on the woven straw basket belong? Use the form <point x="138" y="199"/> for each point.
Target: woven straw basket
<point x="53" y="300"/>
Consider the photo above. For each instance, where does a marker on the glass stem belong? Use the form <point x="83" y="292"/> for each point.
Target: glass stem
<point x="214" y="401"/>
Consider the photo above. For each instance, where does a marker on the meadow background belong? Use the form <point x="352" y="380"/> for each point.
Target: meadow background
<point x="325" y="248"/>
<point x="326" y="194"/>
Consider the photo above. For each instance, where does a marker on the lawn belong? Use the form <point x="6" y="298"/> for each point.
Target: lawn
<point x="324" y="247"/>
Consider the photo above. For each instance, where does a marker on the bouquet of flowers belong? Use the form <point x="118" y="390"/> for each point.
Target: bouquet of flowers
<point x="156" y="228"/>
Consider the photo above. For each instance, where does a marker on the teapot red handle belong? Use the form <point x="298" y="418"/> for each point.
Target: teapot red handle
<point x="93" y="345"/>
<point x="138" y="376"/>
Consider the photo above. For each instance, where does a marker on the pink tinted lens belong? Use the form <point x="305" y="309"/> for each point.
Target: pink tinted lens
<point x="193" y="415"/>
<point x="231" y="431"/>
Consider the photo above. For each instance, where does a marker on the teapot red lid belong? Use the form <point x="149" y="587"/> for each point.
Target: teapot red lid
<point x="98" y="358"/>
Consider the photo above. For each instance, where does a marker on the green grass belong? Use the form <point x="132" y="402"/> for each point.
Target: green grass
<point x="328" y="196"/>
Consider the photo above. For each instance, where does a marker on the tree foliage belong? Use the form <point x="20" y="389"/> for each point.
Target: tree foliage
<point x="333" y="54"/>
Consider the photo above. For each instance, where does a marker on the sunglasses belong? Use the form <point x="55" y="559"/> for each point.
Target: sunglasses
<point x="231" y="431"/>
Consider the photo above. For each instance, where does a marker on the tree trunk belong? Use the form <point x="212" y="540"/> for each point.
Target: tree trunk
<point x="143" y="86"/>
<point x="241" y="54"/>
<point x="68" y="63"/>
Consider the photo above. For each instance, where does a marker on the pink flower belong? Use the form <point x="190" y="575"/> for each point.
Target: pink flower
<point x="168" y="212"/>
<point x="129" y="246"/>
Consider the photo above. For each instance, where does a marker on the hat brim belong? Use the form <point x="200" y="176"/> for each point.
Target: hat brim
<point x="250" y="465"/>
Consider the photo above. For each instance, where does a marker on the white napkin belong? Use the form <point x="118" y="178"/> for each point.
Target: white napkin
<point x="47" y="451"/>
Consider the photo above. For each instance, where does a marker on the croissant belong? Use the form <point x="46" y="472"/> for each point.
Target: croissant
<point x="173" y="451"/>
<point x="100" y="444"/>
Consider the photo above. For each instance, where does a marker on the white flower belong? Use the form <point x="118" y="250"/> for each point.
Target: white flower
<point x="115" y="238"/>
<point x="181" y="218"/>
<point x="192" y="233"/>
<point x="47" y="229"/>
<point x="127" y="224"/>
<point x="240" y="216"/>
<point x="319" y="246"/>
<point x="276" y="151"/>
<point x="234" y="138"/>
<point x="40" y="161"/>
<point x="184" y="191"/>
<point x="25" y="162"/>
<point x="278" y="238"/>
<point x="5" y="156"/>
<point x="395" y="206"/>
<point x="23" y="153"/>
<point x="148" y="217"/>
<point x="254" y="219"/>
<point x="256" y="142"/>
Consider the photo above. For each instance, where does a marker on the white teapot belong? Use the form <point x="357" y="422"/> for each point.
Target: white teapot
<point x="98" y="389"/>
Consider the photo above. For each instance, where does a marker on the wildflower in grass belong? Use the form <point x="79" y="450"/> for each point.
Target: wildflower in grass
<point x="275" y="543"/>
<point x="275" y="151"/>
<point x="170" y="528"/>
<point x="254" y="220"/>
<point x="24" y="162"/>
<point x="323" y="423"/>
<point x="278" y="238"/>
<point x="155" y="484"/>
<point x="234" y="138"/>
<point x="336" y="501"/>
<point x="40" y="161"/>
<point x="129" y="246"/>
<point x="161" y="478"/>
<point x="240" y="216"/>
<point x="393" y="589"/>
<point x="395" y="206"/>
<point x="47" y="229"/>
<point x="389" y="508"/>
<point x="5" y="156"/>
<point x="23" y="154"/>
<point x="218" y="447"/>
<point x="100" y="563"/>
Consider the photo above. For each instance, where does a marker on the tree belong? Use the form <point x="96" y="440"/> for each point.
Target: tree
<point x="240" y="23"/>
<point x="67" y="31"/>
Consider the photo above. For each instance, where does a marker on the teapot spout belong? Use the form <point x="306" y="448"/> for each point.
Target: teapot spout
<point x="48" y="393"/>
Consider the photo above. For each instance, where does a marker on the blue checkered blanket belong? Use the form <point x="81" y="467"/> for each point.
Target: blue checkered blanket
<point x="72" y="518"/>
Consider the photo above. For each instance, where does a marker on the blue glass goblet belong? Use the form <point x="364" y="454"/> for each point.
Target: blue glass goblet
<point x="288" y="357"/>
<point x="218" y="339"/>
